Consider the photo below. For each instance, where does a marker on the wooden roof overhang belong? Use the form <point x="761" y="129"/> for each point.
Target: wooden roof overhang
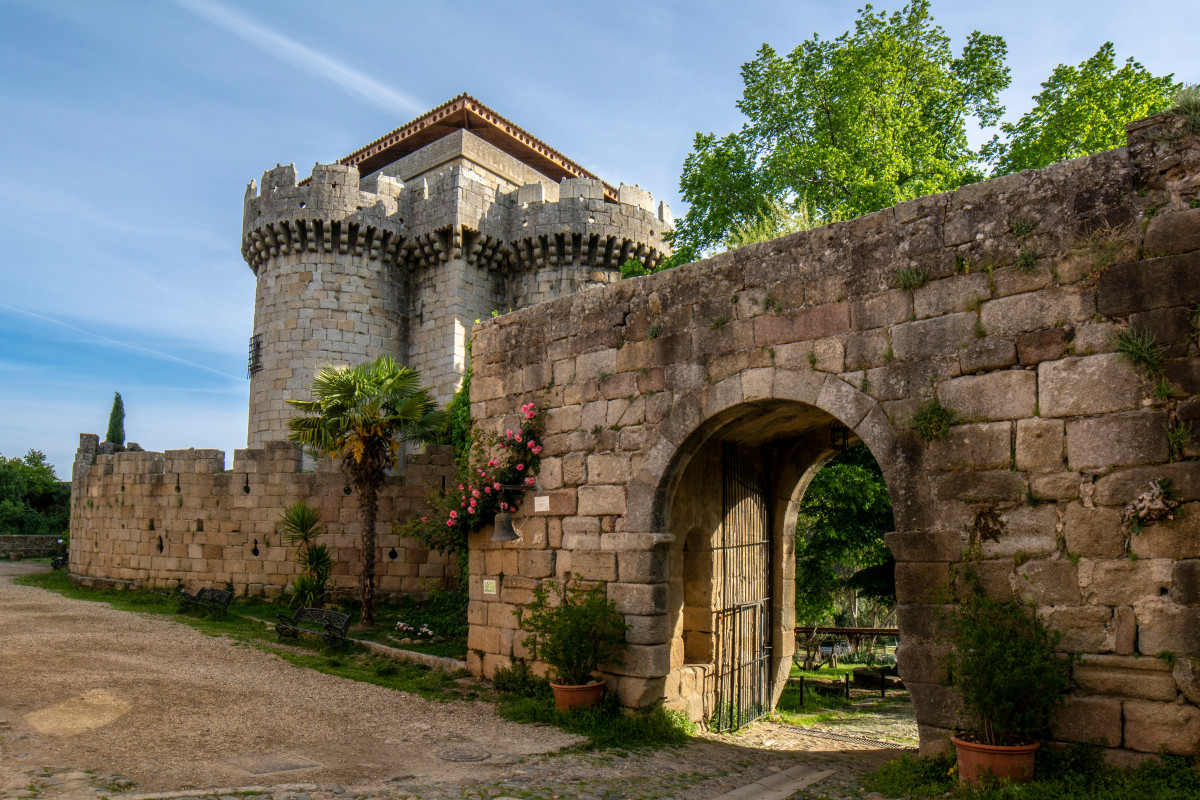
<point x="466" y="113"/>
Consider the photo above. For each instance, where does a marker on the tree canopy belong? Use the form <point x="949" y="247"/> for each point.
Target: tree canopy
<point x="840" y="554"/>
<point x="32" y="499"/>
<point x="838" y="128"/>
<point x="116" y="421"/>
<point x="1080" y="110"/>
<point x="847" y="126"/>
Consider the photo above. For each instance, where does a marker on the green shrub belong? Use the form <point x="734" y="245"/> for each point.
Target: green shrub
<point x="606" y="725"/>
<point x="301" y="525"/>
<point x="933" y="421"/>
<point x="911" y="278"/>
<point x="632" y="268"/>
<point x="1005" y="663"/>
<point x="1021" y="228"/>
<point x="574" y="635"/>
<point x="1027" y="259"/>
<point x="518" y="679"/>
<point x="1076" y="772"/>
<point x="460" y="416"/>
<point x="1187" y="105"/>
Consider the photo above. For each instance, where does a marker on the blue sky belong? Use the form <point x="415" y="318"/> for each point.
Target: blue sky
<point x="128" y="131"/>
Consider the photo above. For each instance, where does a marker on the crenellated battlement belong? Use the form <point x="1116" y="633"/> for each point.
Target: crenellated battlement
<point x="401" y="254"/>
<point x="580" y="227"/>
<point x="328" y="213"/>
<point x="535" y="226"/>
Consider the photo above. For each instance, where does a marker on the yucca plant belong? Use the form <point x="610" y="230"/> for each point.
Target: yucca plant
<point x="301" y="525"/>
<point x="360" y="415"/>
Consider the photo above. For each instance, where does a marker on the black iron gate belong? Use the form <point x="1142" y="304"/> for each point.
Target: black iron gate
<point x="742" y="564"/>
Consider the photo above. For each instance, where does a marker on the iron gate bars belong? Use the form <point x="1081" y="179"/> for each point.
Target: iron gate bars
<point x="742" y="563"/>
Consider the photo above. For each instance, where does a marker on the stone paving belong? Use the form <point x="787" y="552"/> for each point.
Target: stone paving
<point x="703" y="770"/>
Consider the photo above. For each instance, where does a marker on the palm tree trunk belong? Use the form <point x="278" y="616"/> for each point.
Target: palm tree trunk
<point x="368" y="504"/>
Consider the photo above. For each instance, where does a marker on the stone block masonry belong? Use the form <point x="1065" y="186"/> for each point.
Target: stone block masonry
<point x="403" y="260"/>
<point x="30" y="546"/>
<point x="180" y="518"/>
<point x="1056" y="432"/>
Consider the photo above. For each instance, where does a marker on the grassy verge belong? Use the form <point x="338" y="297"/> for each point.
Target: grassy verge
<point x="826" y="673"/>
<point x="525" y="697"/>
<point x="813" y="707"/>
<point x="1076" y="773"/>
<point x="444" y="613"/>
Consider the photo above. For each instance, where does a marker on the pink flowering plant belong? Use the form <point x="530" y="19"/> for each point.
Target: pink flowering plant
<point x="483" y="485"/>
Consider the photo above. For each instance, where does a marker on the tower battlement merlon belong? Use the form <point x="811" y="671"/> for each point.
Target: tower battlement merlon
<point x="581" y="226"/>
<point x="332" y="212"/>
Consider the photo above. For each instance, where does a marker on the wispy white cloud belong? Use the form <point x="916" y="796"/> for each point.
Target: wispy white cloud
<point x="110" y="342"/>
<point x="297" y="54"/>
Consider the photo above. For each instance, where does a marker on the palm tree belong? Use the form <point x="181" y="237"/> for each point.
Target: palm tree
<point x="361" y="415"/>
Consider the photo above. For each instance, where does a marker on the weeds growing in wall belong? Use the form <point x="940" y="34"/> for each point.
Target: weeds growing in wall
<point x="1140" y="348"/>
<point x="933" y="421"/>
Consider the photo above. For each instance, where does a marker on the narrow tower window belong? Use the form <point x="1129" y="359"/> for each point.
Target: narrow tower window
<point x="254" y="362"/>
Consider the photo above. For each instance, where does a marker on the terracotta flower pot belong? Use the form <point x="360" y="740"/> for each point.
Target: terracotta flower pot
<point x="1012" y="762"/>
<point x="567" y="696"/>
<point x="14" y="556"/>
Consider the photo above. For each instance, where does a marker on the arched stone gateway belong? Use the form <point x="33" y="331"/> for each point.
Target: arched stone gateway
<point x="728" y="499"/>
<point x="1006" y="303"/>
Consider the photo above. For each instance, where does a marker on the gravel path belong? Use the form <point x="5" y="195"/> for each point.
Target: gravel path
<point x="100" y="702"/>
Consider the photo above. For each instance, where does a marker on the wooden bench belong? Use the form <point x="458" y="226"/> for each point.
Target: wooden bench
<point x="329" y="625"/>
<point x="214" y="600"/>
<point x="58" y="562"/>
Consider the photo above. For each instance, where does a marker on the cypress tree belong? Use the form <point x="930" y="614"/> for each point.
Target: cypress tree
<point x="116" y="421"/>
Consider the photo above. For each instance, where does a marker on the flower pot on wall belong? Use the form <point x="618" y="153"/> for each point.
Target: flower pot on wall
<point x="1010" y="762"/>
<point x="567" y="696"/>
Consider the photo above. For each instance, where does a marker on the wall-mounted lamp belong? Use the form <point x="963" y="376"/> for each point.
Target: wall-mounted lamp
<point x="839" y="435"/>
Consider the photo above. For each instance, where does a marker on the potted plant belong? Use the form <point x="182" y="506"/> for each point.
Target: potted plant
<point x="574" y="630"/>
<point x="1011" y="676"/>
<point x="15" y="555"/>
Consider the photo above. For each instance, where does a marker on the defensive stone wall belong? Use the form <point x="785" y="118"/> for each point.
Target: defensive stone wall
<point x="180" y="518"/>
<point x="30" y="546"/>
<point x="1003" y="302"/>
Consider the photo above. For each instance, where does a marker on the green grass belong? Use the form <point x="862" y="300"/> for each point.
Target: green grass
<point x="791" y="702"/>
<point x="827" y="673"/>
<point x="1140" y="348"/>
<point x="1187" y="105"/>
<point x="607" y="726"/>
<point x="1027" y="259"/>
<point x="911" y="278"/>
<point x="1021" y="228"/>
<point x="525" y="697"/>
<point x="1075" y="773"/>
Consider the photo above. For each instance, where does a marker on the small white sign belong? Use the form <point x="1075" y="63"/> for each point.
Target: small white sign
<point x="489" y="586"/>
<point x="541" y="502"/>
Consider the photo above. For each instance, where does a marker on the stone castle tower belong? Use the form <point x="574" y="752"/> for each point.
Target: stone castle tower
<point x="399" y="247"/>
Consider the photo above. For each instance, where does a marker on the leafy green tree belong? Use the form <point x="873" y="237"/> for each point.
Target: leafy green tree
<point x="840" y="554"/>
<point x="116" y="421"/>
<point x="32" y="499"/>
<point x="845" y="127"/>
<point x="360" y="415"/>
<point x="1080" y="110"/>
